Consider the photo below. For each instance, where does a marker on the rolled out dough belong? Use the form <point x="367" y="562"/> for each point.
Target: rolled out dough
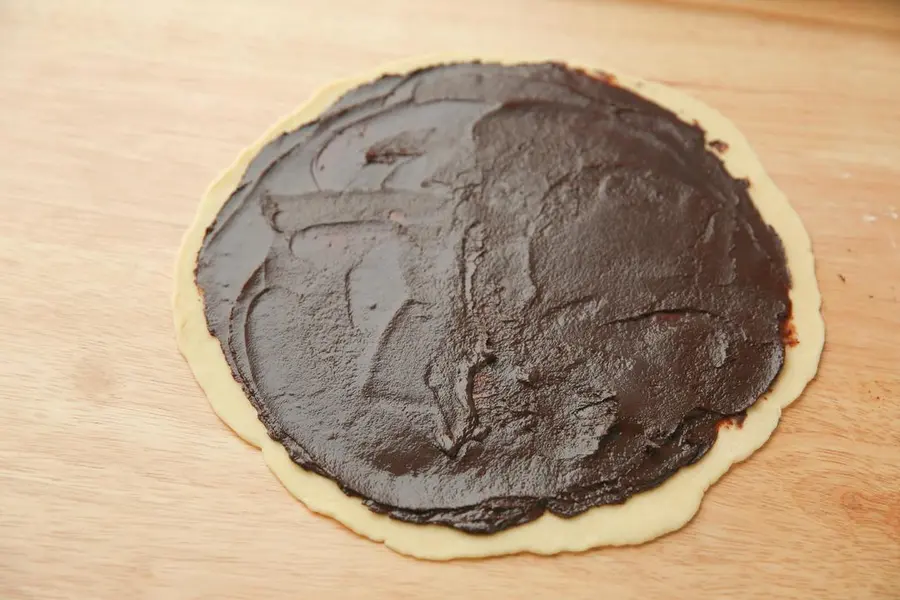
<point x="644" y="516"/>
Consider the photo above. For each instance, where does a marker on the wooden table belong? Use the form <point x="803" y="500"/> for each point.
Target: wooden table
<point x="118" y="482"/>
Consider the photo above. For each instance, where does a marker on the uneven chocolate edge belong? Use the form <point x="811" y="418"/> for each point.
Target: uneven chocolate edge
<point x="504" y="512"/>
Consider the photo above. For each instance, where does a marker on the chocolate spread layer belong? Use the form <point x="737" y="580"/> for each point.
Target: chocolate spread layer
<point x="476" y="293"/>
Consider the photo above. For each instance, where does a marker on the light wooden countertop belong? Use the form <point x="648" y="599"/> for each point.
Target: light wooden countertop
<point x="118" y="482"/>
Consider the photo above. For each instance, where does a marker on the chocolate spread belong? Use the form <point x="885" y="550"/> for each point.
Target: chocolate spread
<point x="476" y="293"/>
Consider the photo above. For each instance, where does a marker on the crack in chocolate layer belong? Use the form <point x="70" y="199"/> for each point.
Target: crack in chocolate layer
<point x="476" y="293"/>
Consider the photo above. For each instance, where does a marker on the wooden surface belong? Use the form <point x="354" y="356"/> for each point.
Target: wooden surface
<point x="116" y="479"/>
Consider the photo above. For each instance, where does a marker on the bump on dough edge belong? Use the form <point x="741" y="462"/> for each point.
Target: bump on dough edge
<point x="644" y="516"/>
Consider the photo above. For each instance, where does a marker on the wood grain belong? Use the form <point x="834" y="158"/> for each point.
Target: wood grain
<point x="116" y="479"/>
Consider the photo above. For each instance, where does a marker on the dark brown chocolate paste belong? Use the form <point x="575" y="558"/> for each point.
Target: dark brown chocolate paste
<point x="476" y="293"/>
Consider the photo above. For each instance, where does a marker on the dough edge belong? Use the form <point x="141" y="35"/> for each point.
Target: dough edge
<point x="642" y="517"/>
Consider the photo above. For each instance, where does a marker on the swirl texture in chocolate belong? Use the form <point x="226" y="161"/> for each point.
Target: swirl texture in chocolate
<point x="476" y="293"/>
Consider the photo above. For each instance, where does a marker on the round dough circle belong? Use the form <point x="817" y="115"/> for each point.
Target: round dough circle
<point x="644" y="516"/>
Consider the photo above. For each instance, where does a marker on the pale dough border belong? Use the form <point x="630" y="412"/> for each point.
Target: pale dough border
<point x="644" y="516"/>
